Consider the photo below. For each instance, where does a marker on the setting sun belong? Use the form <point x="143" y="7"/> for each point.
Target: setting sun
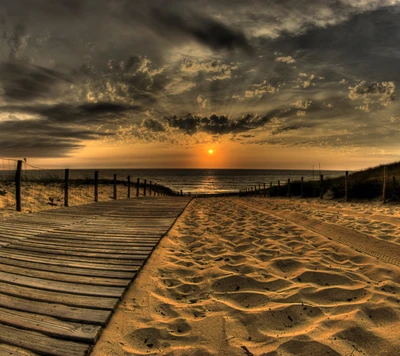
<point x="210" y="151"/>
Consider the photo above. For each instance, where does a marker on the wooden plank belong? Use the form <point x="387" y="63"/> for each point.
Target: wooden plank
<point x="74" y="300"/>
<point x="81" y="251"/>
<point x="50" y="326"/>
<point x="67" y="270"/>
<point x="8" y="350"/>
<point x="102" y="244"/>
<point x="60" y="311"/>
<point x="66" y="263"/>
<point x="62" y="277"/>
<point x="72" y="288"/>
<point x="102" y="261"/>
<point x="40" y="343"/>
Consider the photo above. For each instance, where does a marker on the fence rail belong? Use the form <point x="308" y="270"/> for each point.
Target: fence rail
<point x="383" y="184"/>
<point x="27" y="188"/>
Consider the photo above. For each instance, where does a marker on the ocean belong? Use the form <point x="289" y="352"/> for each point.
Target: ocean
<point x="193" y="181"/>
<point x="211" y="181"/>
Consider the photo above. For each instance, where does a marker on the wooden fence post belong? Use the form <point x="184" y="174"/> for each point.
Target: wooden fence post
<point x="288" y="187"/>
<point x="279" y="185"/>
<point x="384" y="185"/>
<point x="137" y="187"/>
<point x="259" y="189"/>
<point x="144" y="188"/>
<point x="321" y="186"/>
<point x="265" y="193"/>
<point x="18" y="186"/>
<point x="150" y="186"/>
<point x="346" y="187"/>
<point x="66" y="177"/>
<point x="129" y="186"/>
<point x="96" y="186"/>
<point x="302" y="188"/>
<point x="394" y="186"/>
<point x="115" y="187"/>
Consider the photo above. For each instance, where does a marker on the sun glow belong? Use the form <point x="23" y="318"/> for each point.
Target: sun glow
<point x="210" y="151"/>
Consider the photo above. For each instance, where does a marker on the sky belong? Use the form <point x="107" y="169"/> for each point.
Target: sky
<point x="158" y="83"/>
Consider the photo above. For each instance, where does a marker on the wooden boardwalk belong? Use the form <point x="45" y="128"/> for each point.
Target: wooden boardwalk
<point x="63" y="272"/>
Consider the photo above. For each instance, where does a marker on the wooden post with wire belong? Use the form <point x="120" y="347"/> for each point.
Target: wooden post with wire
<point x="302" y="188"/>
<point x="265" y="193"/>
<point x="346" y="187"/>
<point x="96" y="186"/>
<point x="384" y="185"/>
<point x="137" y="187"/>
<point x="115" y="187"/>
<point x="150" y="187"/>
<point x="394" y="186"/>
<point x="18" y="186"/>
<point x="66" y="178"/>
<point x="321" y="186"/>
<point x="129" y="186"/>
<point x="144" y="188"/>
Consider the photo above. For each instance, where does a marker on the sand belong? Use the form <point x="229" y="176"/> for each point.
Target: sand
<point x="235" y="277"/>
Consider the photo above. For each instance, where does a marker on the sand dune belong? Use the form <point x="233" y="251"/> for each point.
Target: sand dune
<point x="228" y="280"/>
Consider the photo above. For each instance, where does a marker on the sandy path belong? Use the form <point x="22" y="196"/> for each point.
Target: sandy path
<point x="228" y="280"/>
<point x="376" y="247"/>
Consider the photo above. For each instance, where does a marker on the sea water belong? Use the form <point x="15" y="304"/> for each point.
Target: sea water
<point x="193" y="181"/>
<point x="211" y="181"/>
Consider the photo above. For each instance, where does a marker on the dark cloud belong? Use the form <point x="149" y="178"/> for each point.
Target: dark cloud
<point x="82" y="114"/>
<point x="221" y="125"/>
<point x="25" y="82"/>
<point x="153" y="125"/>
<point x="59" y="129"/>
<point x="203" y="29"/>
<point x="42" y="139"/>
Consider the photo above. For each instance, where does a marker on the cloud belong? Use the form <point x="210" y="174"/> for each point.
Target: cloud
<point x="299" y="104"/>
<point x="216" y="69"/>
<point x="288" y="59"/>
<point x="17" y="40"/>
<point x="205" y="30"/>
<point x="56" y="130"/>
<point x="221" y="125"/>
<point x="257" y="91"/>
<point x="81" y="114"/>
<point x="153" y="125"/>
<point x="372" y="95"/>
<point x="203" y="102"/>
<point x="25" y="82"/>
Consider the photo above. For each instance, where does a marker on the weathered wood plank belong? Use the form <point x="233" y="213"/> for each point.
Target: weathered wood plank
<point x="72" y="288"/>
<point x="80" y="315"/>
<point x="101" y="261"/>
<point x="8" y="350"/>
<point x="70" y="251"/>
<point x="40" y="343"/>
<point x="87" y="243"/>
<point x="67" y="270"/>
<point x="62" y="277"/>
<point x="50" y="326"/>
<point x="82" y="301"/>
<point x="66" y="263"/>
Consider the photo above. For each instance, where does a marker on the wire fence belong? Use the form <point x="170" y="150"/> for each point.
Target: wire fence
<point x="28" y="188"/>
<point x="382" y="182"/>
